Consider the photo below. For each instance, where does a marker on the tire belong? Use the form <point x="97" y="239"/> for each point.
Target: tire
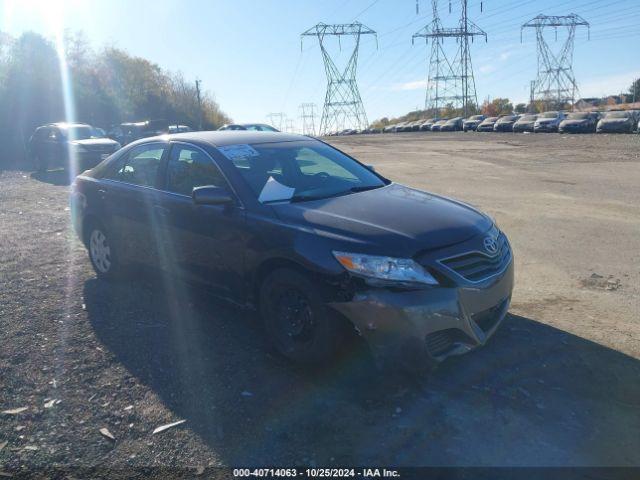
<point x="102" y="253"/>
<point x="296" y="320"/>
<point x="40" y="164"/>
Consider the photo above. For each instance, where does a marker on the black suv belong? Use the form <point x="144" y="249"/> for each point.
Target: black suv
<point x="60" y="144"/>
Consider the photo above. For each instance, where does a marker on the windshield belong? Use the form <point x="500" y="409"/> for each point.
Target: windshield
<point x="260" y="128"/>
<point x="491" y="119"/>
<point x="549" y="115"/>
<point x="578" y="116"/>
<point x="79" y="133"/>
<point x="508" y="118"/>
<point x="528" y="118"/>
<point x="299" y="171"/>
<point x="617" y="115"/>
<point x="476" y="117"/>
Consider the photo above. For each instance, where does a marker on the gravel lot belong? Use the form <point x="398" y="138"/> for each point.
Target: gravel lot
<point x="557" y="385"/>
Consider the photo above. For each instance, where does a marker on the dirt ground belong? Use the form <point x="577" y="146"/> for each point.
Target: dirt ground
<point x="559" y="384"/>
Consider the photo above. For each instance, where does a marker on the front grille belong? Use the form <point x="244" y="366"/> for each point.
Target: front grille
<point x="478" y="266"/>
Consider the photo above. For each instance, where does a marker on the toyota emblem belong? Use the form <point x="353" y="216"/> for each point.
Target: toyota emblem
<point x="490" y="245"/>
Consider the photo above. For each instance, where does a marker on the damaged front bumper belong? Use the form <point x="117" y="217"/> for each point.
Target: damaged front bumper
<point x="422" y="326"/>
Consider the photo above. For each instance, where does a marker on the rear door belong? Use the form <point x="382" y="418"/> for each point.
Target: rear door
<point x="204" y="243"/>
<point x="128" y="192"/>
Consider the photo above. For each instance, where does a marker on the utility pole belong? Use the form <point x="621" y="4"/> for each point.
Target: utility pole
<point x="308" y="117"/>
<point x="277" y="120"/>
<point x="450" y="81"/>
<point x="198" y="82"/>
<point x="343" y="106"/>
<point x="555" y="82"/>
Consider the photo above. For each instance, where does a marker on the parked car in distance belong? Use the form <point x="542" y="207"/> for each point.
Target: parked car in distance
<point x="622" y="121"/>
<point x="389" y="128"/>
<point x="426" y="125"/>
<point x="548" y="122"/>
<point x="452" y="125"/>
<point x="59" y="144"/>
<point x="126" y="133"/>
<point x="638" y="127"/>
<point x="405" y="127"/>
<point x="525" y="123"/>
<point x="415" y="126"/>
<point x="471" y="123"/>
<point x="505" y="123"/>
<point x="436" y="126"/>
<point x="399" y="127"/>
<point x="179" y="129"/>
<point x="321" y="245"/>
<point x="487" y="124"/>
<point x="256" y="127"/>
<point x="579" y="122"/>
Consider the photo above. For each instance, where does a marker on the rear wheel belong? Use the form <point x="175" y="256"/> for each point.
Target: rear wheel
<point x="102" y="252"/>
<point x="40" y="163"/>
<point x="296" y="319"/>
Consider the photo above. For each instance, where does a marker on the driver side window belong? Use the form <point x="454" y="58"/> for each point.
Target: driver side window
<point x="190" y="167"/>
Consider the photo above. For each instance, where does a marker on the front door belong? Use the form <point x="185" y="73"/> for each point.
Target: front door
<point x="203" y="242"/>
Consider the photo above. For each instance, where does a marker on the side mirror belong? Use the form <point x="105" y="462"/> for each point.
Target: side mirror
<point x="371" y="167"/>
<point x="210" y="195"/>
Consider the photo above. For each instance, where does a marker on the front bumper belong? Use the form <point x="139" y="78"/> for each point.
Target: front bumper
<point x="576" y="128"/>
<point x="545" y="128"/>
<point x="428" y="325"/>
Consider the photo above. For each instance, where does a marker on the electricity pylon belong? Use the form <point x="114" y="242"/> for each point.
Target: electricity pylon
<point x="450" y="82"/>
<point x="276" y="120"/>
<point x="342" y="105"/>
<point x="308" y="117"/>
<point x="555" y="81"/>
<point x="290" y="127"/>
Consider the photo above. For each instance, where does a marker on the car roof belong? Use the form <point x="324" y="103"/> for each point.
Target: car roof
<point x="222" y="138"/>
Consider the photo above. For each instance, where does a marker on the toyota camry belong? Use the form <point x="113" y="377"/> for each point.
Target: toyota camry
<point x="322" y="246"/>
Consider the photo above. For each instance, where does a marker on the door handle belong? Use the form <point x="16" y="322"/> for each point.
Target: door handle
<point x="102" y="192"/>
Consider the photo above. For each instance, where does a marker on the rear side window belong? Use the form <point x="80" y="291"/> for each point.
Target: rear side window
<point x="140" y="166"/>
<point x="190" y="167"/>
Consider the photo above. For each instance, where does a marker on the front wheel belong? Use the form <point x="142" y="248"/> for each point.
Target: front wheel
<point x="296" y="319"/>
<point x="40" y="164"/>
<point x="102" y="252"/>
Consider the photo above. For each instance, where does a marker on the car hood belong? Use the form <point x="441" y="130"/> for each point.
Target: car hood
<point x="613" y="121"/>
<point x="394" y="220"/>
<point x="576" y="122"/>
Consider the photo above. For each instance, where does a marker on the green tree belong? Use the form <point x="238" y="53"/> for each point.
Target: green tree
<point x="108" y="87"/>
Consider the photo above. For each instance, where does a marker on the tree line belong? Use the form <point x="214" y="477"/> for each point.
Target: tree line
<point x="107" y="87"/>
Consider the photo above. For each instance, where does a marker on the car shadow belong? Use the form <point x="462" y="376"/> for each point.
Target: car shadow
<point x="58" y="177"/>
<point x="535" y="395"/>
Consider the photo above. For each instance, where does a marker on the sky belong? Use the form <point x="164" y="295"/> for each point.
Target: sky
<point x="249" y="55"/>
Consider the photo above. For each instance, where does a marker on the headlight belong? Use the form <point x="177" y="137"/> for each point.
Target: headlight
<point x="388" y="269"/>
